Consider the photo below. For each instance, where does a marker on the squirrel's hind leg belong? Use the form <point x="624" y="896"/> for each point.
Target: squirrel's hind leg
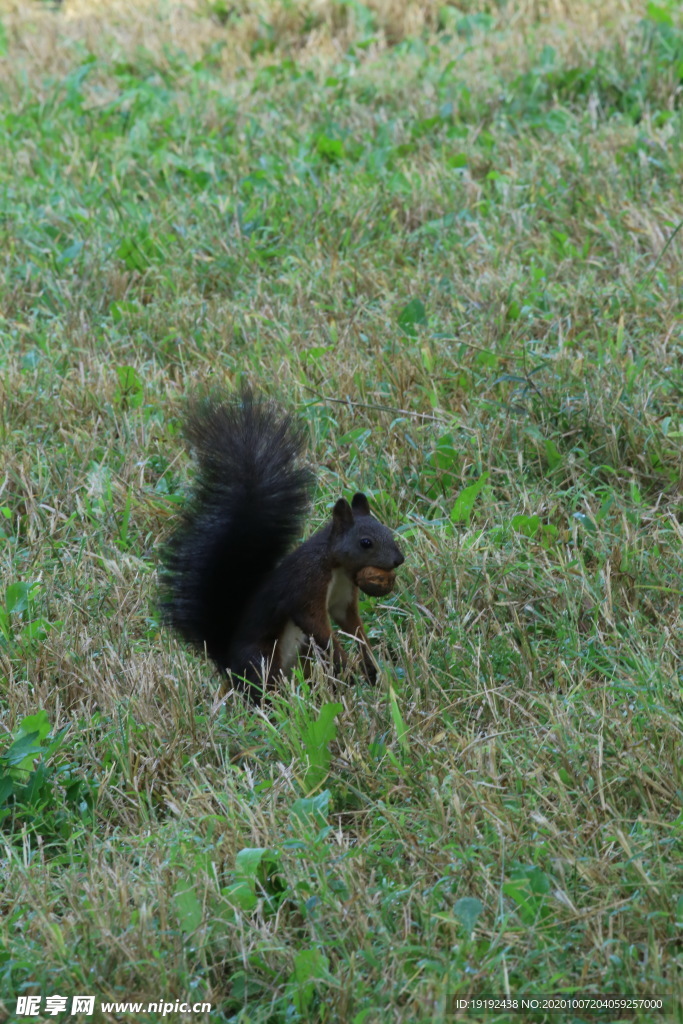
<point x="350" y="622"/>
<point x="255" y="674"/>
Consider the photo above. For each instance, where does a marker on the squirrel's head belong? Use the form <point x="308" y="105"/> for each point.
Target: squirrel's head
<point x="359" y="540"/>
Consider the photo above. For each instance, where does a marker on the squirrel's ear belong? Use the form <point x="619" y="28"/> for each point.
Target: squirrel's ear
<point x="360" y="505"/>
<point x="342" y="516"/>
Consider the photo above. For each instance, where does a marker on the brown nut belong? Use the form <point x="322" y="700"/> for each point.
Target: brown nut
<point x="375" y="582"/>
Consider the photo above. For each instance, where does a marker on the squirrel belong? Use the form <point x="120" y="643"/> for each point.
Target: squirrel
<point x="231" y="586"/>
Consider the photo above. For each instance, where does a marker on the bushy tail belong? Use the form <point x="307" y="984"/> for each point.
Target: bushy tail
<point x="249" y="502"/>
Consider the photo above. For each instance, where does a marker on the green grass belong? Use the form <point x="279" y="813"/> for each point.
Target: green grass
<point x="450" y="239"/>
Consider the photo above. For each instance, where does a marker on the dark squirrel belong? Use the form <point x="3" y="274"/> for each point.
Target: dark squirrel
<point x="231" y="586"/>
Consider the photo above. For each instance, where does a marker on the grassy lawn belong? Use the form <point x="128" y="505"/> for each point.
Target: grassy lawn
<point x="448" y="237"/>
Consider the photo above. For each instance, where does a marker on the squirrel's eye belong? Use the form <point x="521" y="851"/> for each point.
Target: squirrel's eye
<point x="365" y="542"/>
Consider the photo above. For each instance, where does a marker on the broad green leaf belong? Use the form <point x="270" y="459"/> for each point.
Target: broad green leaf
<point x="188" y="908"/>
<point x="17" y="596"/>
<point x="39" y="724"/>
<point x="130" y="388"/>
<point x="528" y="526"/>
<point x="552" y="454"/>
<point x="248" y="860"/>
<point x="399" y="724"/>
<point x="310" y="965"/>
<point x="468" y="910"/>
<point x="317" y="738"/>
<point x="241" y="895"/>
<point x="412" y="316"/>
<point x="312" y="810"/>
<point x="462" y="510"/>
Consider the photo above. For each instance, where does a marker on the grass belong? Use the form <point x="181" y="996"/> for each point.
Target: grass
<point x="450" y="238"/>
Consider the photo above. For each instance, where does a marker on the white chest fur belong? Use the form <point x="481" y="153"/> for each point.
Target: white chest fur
<point x="291" y="642"/>
<point x="339" y="595"/>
